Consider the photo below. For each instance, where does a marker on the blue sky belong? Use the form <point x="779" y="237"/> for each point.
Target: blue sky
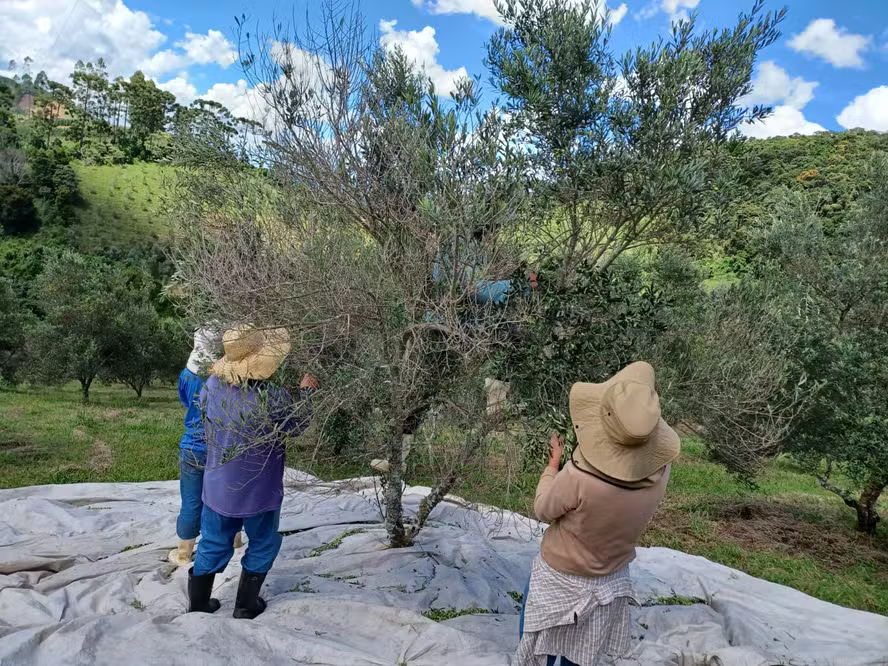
<point x="829" y="70"/>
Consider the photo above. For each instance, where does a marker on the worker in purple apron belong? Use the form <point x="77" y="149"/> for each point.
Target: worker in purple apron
<point x="192" y="447"/>
<point x="247" y="420"/>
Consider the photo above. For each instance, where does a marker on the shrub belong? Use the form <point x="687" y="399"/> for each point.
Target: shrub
<point x="17" y="212"/>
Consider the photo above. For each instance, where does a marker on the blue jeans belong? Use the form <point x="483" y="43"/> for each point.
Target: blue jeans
<point x="191" y="473"/>
<point x="551" y="660"/>
<point x="215" y="548"/>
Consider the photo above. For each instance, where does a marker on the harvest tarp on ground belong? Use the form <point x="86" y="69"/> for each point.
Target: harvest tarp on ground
<point x="84" y="580"/>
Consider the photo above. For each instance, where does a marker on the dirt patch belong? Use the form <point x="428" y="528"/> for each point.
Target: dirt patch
<point x="775" y="527"/>
<point x="109" y="414"/>
<point x="79" y="434"/>
<point x="101" y="457"/>
<point x="784" y="528"/>
<point x="20" y="448"/>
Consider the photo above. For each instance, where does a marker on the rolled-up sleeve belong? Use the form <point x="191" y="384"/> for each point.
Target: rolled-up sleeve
<point x="298" y="414"/>
<point x="556" y="494"/>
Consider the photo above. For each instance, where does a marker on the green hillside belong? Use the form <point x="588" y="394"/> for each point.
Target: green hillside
<point x="121" y="205"/>
<point x="118" y="216"/>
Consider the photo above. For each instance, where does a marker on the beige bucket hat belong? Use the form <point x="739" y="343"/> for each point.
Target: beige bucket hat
<point x="619" y="429"/>
<point x="251" y="353"/>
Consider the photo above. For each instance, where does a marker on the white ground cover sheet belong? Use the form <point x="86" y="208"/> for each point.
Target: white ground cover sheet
<point x="84" y="579"/>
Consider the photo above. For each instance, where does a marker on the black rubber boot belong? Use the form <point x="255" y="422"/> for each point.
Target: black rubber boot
<point x="249" y="604"/>
<point x="199" y="590"/>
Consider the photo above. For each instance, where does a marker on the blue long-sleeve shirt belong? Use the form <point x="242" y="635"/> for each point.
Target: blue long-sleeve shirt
<point x="190" y="385"/>
<point x="486" y="290"/>
<point x="245" y="428"/>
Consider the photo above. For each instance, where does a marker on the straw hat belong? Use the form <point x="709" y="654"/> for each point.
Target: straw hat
<point x="619" y="429"/>
<point x="251" y="353"/>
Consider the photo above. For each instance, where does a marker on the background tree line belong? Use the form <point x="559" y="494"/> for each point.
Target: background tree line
<point x="116" y="121"/>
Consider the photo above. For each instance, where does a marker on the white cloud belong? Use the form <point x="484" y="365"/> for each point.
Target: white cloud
<point x="618" y="14"/>
<point x="785" y="121"/>
<point x="481" y="8"/>
<point x="869" y="111"/>
<point x="421" y="48"/>
<point x="677" y="9"/>
<point x="57" y="33"/>
<point x="304" y="67"/>
<point x="195" y="49"/>
<point x="240" y="99"/>
<point x="772" y="85"/>
<point x="181" y="87"/>
<point x="44" y="24"/>
<point x="212" y="47"/>
<point x="486" y="9"/>
<point x="162" y="62"/>
<point x="823" y="39"/>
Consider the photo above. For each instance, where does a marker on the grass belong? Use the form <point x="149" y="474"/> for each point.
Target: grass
<point x="47" y="436"/>
<point x="304" y="588"/>
<point x="442" y="614"/>
<point x="788" y="530"/>
<point x="121" y="205"/>
<point x="675" y="600"/>
<point x="335" y="543"/>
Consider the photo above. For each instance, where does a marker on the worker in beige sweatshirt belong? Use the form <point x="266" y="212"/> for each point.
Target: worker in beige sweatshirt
<point x="576" y="606"/>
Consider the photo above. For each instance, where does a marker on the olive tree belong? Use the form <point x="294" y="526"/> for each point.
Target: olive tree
<point x="144" y="348"/>
<point x="387" y="212"/>
<point x="623" y="155"/>
<point x="92" y="326"/>
<point x="835" y="293"/>
<point x="727" y="371"/>
<point x="620" y="152"/>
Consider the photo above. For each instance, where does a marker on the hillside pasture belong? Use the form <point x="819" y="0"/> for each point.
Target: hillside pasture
<point x="121" y="205"/>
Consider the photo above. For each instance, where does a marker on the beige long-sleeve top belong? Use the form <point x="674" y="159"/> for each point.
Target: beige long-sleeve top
<point x="594" y="525"/>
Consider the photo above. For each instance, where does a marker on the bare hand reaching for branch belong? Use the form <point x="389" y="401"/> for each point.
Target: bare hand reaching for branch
<point x="556" y="450"/>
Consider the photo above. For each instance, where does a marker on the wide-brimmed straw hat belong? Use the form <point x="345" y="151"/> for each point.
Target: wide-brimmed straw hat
<point x="618" y="425"/>
<point x="251" y="353"/>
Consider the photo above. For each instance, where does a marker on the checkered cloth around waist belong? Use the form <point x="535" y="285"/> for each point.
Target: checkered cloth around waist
<point x="574" y="616"/>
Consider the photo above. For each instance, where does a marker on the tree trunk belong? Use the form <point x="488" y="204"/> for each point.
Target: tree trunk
<point x="394" y="513"/>
<point x="470" y="448"/>
<point x="84" y="390"/>
<point x="867" y="515"/>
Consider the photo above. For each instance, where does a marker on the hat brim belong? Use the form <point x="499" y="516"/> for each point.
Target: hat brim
<point x="261" y="364"/>
<point x="597" y="451"/>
